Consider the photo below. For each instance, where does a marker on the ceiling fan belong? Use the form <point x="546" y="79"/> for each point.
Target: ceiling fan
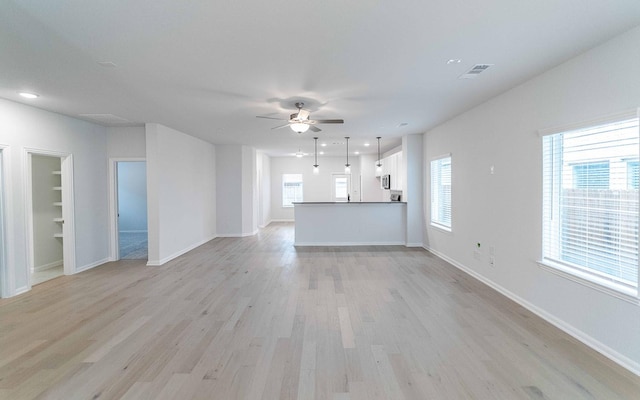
<point x="300" y="122"/>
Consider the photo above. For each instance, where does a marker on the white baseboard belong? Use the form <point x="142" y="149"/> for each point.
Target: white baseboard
<point x="20" y="290"/>
<point x="133" y="231"/>
<point x="48" y="266"/>
<point x="581" y="336"/>
<point x="414" y="245"/>
<point x="91" y="265"/>
<point x="342" y="244"/>
<point x="155" y="263"/>
<point x="282" y="220"/>
<point x="236" y="235"/>
<point x="266" y="224"/>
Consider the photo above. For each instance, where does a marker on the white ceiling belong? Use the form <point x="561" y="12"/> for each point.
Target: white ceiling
<point x="207" y="68"/>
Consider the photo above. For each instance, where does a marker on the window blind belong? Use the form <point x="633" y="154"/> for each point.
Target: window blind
<point x="441" y="192"/>
<point x="590" y="201"/>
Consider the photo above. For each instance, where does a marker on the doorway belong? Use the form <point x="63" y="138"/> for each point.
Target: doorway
<point x="340" y="187"/>
<point x="50" y="215"/>
<point x="131" y="210"/>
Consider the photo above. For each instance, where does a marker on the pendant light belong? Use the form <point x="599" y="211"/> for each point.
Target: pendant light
<point x="316" y="170"/>
<point x="347" y="166"/>
<point x="378" y="164"/>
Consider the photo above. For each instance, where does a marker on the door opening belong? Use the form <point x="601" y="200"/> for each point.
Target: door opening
<point x="341" y="187"/>
<point x="47" y="218"/>
<point x="131" y="214"/>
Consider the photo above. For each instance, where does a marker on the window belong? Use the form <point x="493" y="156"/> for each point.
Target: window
<point x="291" y="189"/>
<point x="632" y="175"/>
<point x="441" y="192"/>
<point x="591" y="204"/>
<point x="593" y="175"/>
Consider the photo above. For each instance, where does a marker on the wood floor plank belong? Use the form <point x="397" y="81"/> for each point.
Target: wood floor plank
<point x="257" y="318"/>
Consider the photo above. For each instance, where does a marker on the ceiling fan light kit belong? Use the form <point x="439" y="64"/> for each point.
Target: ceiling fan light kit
<point x="299" y="127"/>
<point x="299" y="122"/>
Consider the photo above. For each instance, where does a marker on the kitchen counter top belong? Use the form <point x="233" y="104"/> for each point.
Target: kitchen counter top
<point x="350" y="202"/>
<point x="355" y="223"/>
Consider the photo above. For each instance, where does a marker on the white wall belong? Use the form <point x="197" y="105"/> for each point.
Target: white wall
<point x="23" y="127"/>
<point x="263" y="166"/>
<point x="181" y="188"/>
<point x="132" y="196"/>
<point x="47" y="249"/>
<point x="412" y="187"/>
<point x="249" y="197"/>
<point x="505" y="209"/>
<point x="235" y="177"/>
<point x="315" y="187"/>
<point x="126" y="142"/>
<point x="371" y="189"/>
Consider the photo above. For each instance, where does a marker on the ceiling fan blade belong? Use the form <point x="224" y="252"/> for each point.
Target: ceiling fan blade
<point x="280" y="126"/>
<point x="313" y="128"/>
<point x="329" y="121"/>
<point x="279" y="119"/>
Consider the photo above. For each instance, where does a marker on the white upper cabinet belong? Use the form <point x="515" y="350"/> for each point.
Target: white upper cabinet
<point x="392" y="165"/>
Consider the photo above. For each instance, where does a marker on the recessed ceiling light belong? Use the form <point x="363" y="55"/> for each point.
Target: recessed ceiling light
<point x="454" y="61"/>
<point x="366" y="145"/>
<point x="28" y="95"/>
<point x="323" y="145"/>
<point x="356" y="152"/>
<point x="321" y="153"/>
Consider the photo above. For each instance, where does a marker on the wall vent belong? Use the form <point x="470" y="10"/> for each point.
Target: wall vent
<point x="475" y="71"/>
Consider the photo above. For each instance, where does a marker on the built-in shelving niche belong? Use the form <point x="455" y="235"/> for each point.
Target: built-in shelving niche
<point x="58" y="203"/>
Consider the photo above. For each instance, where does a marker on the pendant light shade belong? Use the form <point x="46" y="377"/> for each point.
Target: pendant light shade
<point x="347" y="166"/>
<point x="316" y="169"/>
<point x="378" y="164"/>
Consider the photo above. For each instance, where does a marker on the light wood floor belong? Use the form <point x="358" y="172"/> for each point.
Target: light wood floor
<point x="256" y="318"/>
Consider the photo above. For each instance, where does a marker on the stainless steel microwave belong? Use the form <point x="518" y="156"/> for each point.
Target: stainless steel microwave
<point x="386" y="181"/>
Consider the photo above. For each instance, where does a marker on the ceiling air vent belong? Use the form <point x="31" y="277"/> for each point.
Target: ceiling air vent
<point x="475" y="71"/>
<point x="107" y="119"/>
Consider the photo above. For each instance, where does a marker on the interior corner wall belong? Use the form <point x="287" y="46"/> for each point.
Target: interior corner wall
<point x="504" y="209"/>
<point x="264" y="189"/>
<point x="181" y="203"/>
<point x="229" y="183"/>
<point x="23" y="126"/>
<point x="412" y="166"/>
<point x="249" y="197"/>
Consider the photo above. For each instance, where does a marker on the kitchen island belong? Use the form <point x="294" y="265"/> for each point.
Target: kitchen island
<point x="350" y="223"/>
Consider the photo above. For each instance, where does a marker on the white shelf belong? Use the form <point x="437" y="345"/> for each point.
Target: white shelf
<point x="56" y="172"/>
<point x="58" y="204"/>
<point x="57" y="188"/>
<point x="57" y="235"/>
<point x="58" y="220"/>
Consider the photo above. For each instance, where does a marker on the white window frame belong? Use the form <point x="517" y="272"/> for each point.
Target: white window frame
<point x="592" y="280"/>
<point x="438" y="205"/>
<point x="290" y="178"/>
